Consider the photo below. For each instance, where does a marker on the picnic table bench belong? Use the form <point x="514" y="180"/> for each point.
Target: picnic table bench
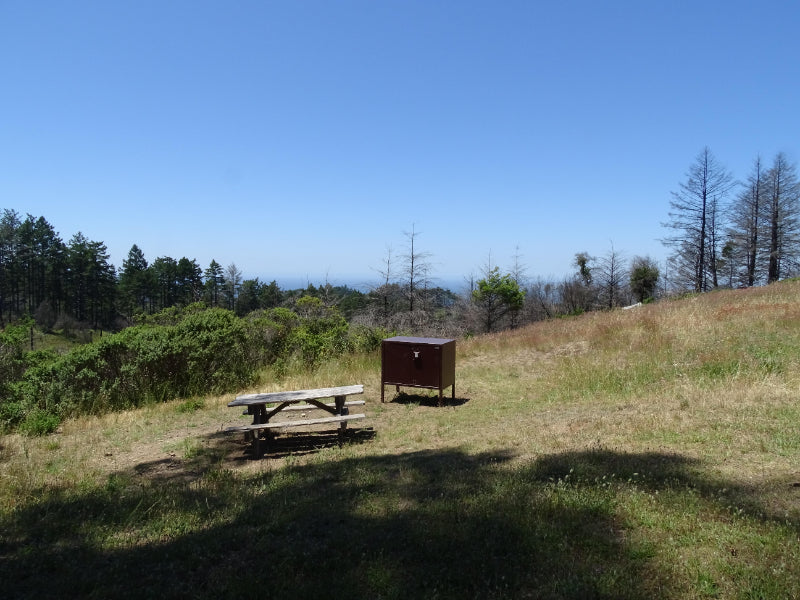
<point x="299" y="400"/>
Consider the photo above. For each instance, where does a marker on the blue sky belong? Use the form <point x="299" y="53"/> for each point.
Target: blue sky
<point x="300" y="139"/>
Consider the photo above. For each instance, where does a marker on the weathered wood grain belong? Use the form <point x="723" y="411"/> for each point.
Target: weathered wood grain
<point x="296" y="423"/>
<point x="293" y="396"/>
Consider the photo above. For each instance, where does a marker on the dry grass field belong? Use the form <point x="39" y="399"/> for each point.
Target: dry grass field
<point x="646" y="453"/>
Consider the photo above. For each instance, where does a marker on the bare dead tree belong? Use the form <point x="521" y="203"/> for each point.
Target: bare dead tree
<point x="696" y="217"/>
<point x="783" y="214"/>
<point x="518" y="273"/>
<point x="387" y="283"/>
<point x="416" y="267"/>
<point x="541" y="301"/>
<point x="610" y="277"/>
<point x="746" y="223"/>
<point x="232" y="284"/>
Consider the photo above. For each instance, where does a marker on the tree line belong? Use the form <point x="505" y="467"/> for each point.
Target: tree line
<point x="723" y="233"/>
<point x="72" y="285"/>
<point x="40" y="274"/>
<point x="734" y="234"/>
<point x="62" y="284"/>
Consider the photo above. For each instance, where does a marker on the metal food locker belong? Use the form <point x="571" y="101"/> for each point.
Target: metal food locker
<point x="418" y="362"/>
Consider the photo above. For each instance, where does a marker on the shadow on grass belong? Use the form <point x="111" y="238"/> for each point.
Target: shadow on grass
<point x="300" y="443"/>
<point x="434" y="524"/>
<point x="427" y="400"/>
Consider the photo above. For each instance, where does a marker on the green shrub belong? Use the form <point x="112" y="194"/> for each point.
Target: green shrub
<point x="12" y="363"/>
<point x="204" y="352"/>
<point x="39" y="422"/>
<point x="190" y="406"/>
<point x="12" y="412"/>
<point x="171" y="315"/>
<point x="191" y="353"/>
<point x="312" y="335"/>
<point x="21" y="376"/>
<point x="367" y="339"/>
<point x="214" y="344"/>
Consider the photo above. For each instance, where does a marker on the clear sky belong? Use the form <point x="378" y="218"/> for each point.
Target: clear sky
<point x="299" y="139"/>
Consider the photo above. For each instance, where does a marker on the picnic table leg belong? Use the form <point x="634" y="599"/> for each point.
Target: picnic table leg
<point x="259" y="415"/>
<point x="341" y="409"/>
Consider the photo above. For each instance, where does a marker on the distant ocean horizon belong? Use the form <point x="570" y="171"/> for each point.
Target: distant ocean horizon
<point x="361" y="283"/>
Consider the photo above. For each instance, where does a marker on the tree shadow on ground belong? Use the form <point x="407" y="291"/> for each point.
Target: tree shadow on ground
<point x="300" y="443"/>
<point x="430" y="524"/>
<point x="427" y="400"/>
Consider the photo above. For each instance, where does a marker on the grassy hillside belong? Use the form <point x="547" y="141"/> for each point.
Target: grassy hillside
<point x="648" y="453"/>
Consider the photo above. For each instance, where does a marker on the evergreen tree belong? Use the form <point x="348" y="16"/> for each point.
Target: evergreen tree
<point x="102" y="286"/>
<point x="213" y="285"/>
<point x="135" y="282"/>
<point x="78" y="259"/>
<point x="9" y="247"/>
<point x="249" y="293"/>
<point x="90" y="281"/>
<point x="644" y="278"/>
<point x="39" y="265"/>
<point x="165" y="273"/>
<point x="270" y="295"/>
<point x="496" y="296"/>
<point x="189" y="281"/>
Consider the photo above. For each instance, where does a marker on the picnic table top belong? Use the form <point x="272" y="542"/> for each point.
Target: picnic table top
<point x="297" y="395"/>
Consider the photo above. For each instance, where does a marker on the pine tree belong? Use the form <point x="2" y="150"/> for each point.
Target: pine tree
<point x="135" y="282"/>
<point x="213" y="283"/>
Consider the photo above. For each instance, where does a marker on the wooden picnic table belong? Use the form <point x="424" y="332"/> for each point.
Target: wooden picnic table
<point x="263" y="407"/>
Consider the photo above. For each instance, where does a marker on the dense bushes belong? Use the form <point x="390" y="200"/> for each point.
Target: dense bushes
<point x="204" y="352"/>
<point x="176" y="354"/>
<point x="311" y="334"/>
<point x="12" y="367"/>
<point x="12" y="359"/>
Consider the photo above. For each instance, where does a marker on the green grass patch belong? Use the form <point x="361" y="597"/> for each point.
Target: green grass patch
<point x="190" y="406"/>
<point x="439" y="524"/>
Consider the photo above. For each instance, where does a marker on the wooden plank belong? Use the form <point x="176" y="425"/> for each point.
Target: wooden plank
<point x="312" y="407"/>
<point x="294" y="396"/>
<point x="297" y="423"/>
<point x="328" y="404"/>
